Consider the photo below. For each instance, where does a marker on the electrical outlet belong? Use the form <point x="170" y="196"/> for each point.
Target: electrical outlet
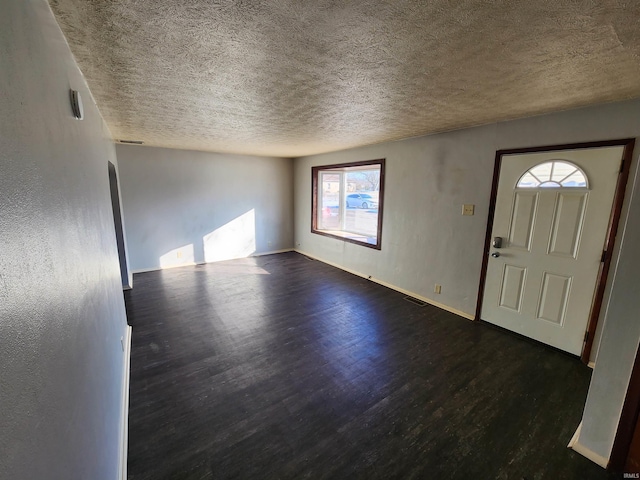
<point x="438" y="288"/>
<point x="468" y="209"/>
<point x="179" y="254"/>
<point x="269" y="243"/>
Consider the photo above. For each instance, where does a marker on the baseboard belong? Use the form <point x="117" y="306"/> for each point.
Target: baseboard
<point x="393" y="287"/>
<point x="575" y="437"/>
<point x="576" y="446"/>
<point x="156" y="269"/>
<point x="259" y="254"/>
<point x="272" y="252"/>
<point x="124" y="418"/>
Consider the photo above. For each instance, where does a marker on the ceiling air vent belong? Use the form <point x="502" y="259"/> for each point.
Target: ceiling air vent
<point x="131" y="142"/>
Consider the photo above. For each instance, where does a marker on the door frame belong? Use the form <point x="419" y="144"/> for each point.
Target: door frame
<point x="614" y="220"/>
<point x="628" y="421"/>
<point x="118" y="224"/>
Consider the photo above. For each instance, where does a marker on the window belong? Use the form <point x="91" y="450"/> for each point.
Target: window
<point x="347" y="201"/>
<point x="554" y="174"/>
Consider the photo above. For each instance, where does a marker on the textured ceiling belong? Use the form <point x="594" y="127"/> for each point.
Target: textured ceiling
<point x="292" y="77"/>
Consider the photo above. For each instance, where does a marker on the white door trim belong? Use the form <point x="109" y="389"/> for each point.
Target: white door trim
<point x="124" y="408"/>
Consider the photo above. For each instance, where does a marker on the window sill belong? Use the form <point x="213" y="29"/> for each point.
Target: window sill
<point x="357" y="238"/>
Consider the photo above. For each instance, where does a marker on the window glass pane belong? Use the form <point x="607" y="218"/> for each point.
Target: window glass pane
<point x="562" y="170"/>
<point x="543" y="171"/>
<point x="329" y="215"/>
<point x="361" y="212"/>
<point x="528" y="181"/>
<point x="553" y="175"/>
<point x="575" y="180"/>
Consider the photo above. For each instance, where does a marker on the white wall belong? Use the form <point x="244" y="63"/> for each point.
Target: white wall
<point x="620" y="336"/>
<point x="61" y="308"/>
<point x="183" y="207"/>
<point x="426" y="240"/>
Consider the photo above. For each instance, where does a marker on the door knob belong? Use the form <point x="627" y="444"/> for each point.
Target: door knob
<point x="495" y="254"/>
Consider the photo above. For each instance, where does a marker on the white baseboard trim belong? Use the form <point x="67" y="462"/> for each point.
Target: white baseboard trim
<point x="576" y="446"/>
<point x="575" y="437"/>
<point x="376" y="280"/>
<point x="259" y="254"/>
<point x="393" y="287"/>
<point x="156" y="269"/>
<point x="272" y="252"/>
<point x="124" y="416"/>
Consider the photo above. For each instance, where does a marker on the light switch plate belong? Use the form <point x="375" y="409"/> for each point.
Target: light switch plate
<point x="468" y="209"/>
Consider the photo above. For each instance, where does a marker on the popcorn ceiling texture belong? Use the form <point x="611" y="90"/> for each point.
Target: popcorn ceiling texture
<point x="293" y="78"/>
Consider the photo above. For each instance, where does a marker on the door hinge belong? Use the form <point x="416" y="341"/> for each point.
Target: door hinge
<point x="586" y="335"/>
<point x="604" y="256"/>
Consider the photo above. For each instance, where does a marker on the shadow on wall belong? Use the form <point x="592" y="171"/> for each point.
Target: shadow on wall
<point x="235" y="239"/>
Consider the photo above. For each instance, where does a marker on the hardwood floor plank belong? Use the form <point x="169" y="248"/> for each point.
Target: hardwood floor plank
<point x="283" y="367"/>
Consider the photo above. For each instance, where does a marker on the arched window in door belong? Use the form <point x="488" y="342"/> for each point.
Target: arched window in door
<point x="554" y="174"/>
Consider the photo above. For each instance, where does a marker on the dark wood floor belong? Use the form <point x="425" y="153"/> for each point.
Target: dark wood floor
<point x="284" y="367"/>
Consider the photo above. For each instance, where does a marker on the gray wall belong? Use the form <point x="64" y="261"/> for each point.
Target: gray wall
<point x="620" y="337"/>
<point x="61" y="307"/>
<point x="426" y="240"/>
<point x="185" y="207"/>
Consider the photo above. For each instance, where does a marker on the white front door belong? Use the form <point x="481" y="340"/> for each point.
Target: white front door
<point x="552" y="214"/>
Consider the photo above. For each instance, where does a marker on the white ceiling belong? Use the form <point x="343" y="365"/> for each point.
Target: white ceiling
<point x="297" y="77"/>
